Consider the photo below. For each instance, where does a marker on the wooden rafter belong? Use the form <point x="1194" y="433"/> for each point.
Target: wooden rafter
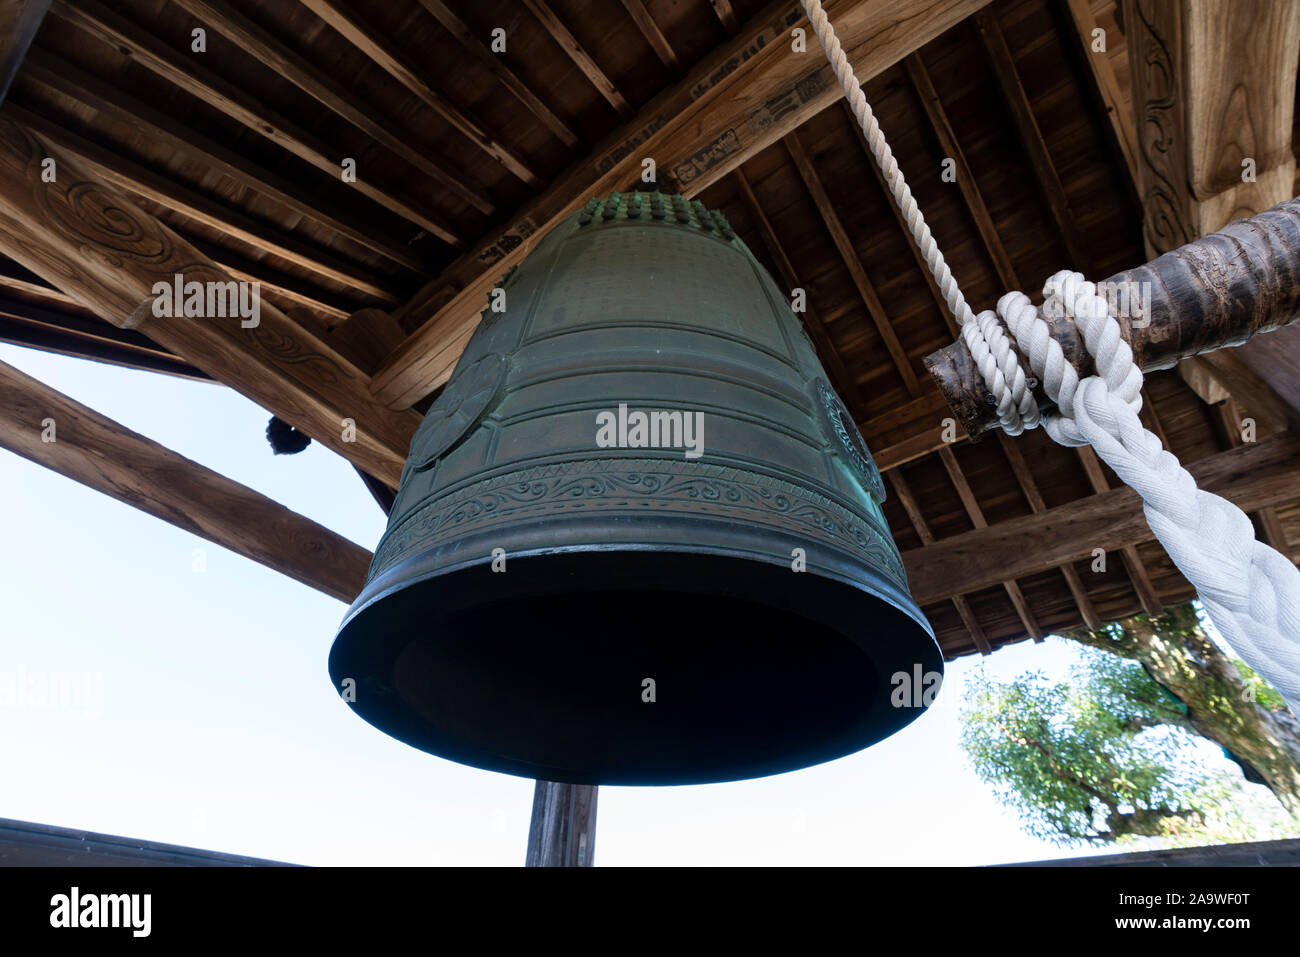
<point x="917" y="256"/>
<point x="1133" y="564"/>
<point x="1231" y="420"/>
<point x="74" y="234"/>
<point x="1025" y="477"/>
<point x="964" y="610"/>
<point x="844" y="382"/>
<point x="110" y="458"/>
<point x="497" y="67"/>
<point x="976" y="515"/>
<point x="319" y="85"/>
<point x="164" y="60"/>
<point x="852" y="263"/>
<point x="698" y="130"/>
<point x="370" y="42"/>
<point x="1031" y="137"/>
<point x="19" y="21"/>
<point x="62" y="77"/>
<point x="1119" y="111"/>
<point x="979" y="213"/>
<point x="574" y="50"/>
<point x="126" y="174"/>
<point x="727" y="14"/>
<point x="653" y="35"/>
<point x="1253" y="477"/>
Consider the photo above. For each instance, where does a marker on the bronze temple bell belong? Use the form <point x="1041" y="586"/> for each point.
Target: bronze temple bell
<point x="638" y="539"/>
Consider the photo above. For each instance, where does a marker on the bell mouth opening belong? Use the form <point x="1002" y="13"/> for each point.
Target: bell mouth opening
<point x="632" y="667"/>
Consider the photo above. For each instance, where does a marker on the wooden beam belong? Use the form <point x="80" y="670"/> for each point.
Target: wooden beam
<point x="964" y="610"/>
<point x="323" y="88"/>
<point x="1273" y="534"/>
<point x="735" y="102"/>
<point x="1213" y="85"/>
<point x="844" y="382"/>
<point x="562" y="831"/>
<point x="849" y="255"/>
<point x="19" y="21"/>
<point x="94" y="245"/>
<point x="1031" y="137"/>
<point x="1025" y="477"/>
<point x="379" y="48"/>
<point x="726" y="14"/>
<point x="1119" y="109"/>
<point x="938" y="116"/>
<point x="917" y="256"/>
<point x="1214" y="89"/>
<point x="126" y="174"/>
<point x="1133" y="565"/>
<point x="1253" y="477"/>
<point x="187" y="74"/>
<point x="976" y="515"/>
<point x="574" y="50"/>
<point x="64" y="78"/>
<point x="497" y="67"/>
<point x="73" y="334"/>
<point x="110" y="458"/>
<point x="653" y="35"/>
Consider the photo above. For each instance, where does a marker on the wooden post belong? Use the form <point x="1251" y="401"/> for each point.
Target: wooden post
<point x="1217" y="291"/>
<point x="563" y="828"/>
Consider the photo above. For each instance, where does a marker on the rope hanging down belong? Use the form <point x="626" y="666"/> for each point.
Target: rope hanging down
<point x="1250" y="591"/>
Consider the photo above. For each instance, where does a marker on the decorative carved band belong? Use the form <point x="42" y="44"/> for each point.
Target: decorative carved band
<point x="686" y="489"/>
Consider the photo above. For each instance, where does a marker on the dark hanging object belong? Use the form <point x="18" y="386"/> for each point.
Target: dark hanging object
<point x="558" y="596"/>
<point x="284" y="438"/>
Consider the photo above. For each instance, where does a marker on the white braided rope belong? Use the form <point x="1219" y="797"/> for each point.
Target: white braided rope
<point x="1250" y="591"/>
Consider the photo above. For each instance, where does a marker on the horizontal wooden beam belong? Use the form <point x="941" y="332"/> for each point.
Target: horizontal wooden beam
<point x="1253" y="477"/>
<point x="737" y="101"/>
<point x="110" y="458"/>
<point x="95" y="245"/>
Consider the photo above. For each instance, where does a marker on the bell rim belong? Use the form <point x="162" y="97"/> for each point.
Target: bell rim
<point x="355" y="651"/>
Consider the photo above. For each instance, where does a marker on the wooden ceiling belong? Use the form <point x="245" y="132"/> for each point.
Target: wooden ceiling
<point x="464" y="156"/>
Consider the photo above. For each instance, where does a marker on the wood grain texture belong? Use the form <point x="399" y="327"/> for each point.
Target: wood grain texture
<point x="653" y="35"/>
<point x="562" y="831"/>
<point x="316" y="83"/>
<point x="1252" y="477"/>
<point x="94" y="245"/>
<point x="192" y="77"/>
<point x="497" y="67"/>
<point x="125" y="174"/>
<point x="738" y="100"/>
<point x="110" y="458"/>
<point x="19" y="21"/>
<point x="1217" y="291"/>
<point x="826" y="209"/>
<point x="917" y="518"/>
<point x="575" y="51"/>
<point x="377" y="47"/>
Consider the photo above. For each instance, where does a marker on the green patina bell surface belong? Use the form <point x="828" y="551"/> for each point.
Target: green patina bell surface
<point x="638" y="538"/>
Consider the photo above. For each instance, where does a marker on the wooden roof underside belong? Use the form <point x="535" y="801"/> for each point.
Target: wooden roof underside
<point x="237" y="150"/>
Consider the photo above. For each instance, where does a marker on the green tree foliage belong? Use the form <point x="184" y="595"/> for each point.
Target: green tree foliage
<point x="1090" y="759"/>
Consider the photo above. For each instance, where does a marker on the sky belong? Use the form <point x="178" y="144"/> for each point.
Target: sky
<point x="202" y="714"/>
